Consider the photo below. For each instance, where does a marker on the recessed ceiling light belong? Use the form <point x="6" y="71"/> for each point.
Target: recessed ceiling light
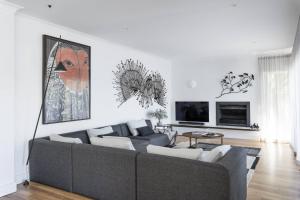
<point x="125" y="28"/>
<point x="234" y="3"/>
<point x="50" y="3"/>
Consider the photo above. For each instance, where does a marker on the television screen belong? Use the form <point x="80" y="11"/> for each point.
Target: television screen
<point x="192" y="111"/>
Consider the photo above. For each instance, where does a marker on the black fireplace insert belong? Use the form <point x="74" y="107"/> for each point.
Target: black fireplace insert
<point x="233" y="114"/>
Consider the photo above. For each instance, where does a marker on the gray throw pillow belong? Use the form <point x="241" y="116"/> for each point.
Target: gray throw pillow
<point x="145" y="131"/>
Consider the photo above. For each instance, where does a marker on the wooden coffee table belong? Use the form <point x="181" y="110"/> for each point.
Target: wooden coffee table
<point x="202" y="135"/>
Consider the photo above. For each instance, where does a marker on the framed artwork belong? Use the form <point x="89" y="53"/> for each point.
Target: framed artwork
<point x="68" y="97"/>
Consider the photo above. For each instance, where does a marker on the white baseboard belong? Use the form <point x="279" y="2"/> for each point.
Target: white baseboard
<point x="8" y="189"/>
<point x="20" y="178"/>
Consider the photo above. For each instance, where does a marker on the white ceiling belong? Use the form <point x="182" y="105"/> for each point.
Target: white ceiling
<point x="179" y="29"/>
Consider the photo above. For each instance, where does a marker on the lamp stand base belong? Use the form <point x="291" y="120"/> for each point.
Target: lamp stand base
<point x="26" y="183"/>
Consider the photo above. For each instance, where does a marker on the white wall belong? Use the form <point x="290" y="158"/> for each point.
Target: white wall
<point x="7" y="97"/>
<point x="208" y="75"/>
<point x="104" y="58"/>
<point x="296" y="66"/>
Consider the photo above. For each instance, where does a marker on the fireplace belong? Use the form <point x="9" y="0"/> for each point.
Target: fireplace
<point x="233" y="114"/>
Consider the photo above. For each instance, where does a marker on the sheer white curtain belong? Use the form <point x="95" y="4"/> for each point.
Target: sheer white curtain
<point x="296" y="91"/>
<point x="276" y="115"/>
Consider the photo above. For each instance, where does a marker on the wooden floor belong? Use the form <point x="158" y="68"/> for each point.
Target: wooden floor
<point x="277" y="177"/>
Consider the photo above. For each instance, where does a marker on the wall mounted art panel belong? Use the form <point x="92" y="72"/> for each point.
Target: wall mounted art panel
<point x="68" y="94"/>
<point x="236" y="84"/>
<point x="133" y="79"/>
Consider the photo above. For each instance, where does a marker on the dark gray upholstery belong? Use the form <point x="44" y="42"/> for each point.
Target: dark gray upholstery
<point x="116" y="174"/>
<point x="169" y="178"/>
<point x="51" y="164"/>
<point x="125" y="130"/>
<point x="155" y="139"/>
<point x="140" y="145"/>
<point x="149" y="123"/>
<point x="117" y="128"/>
<point x="104" y="173"/>
<point x="235" y="162"/>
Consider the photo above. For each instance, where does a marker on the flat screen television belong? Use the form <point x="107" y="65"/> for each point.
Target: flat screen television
<point x="192" y="111"/>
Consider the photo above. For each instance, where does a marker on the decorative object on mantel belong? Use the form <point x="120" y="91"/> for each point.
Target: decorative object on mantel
<point x="236" y="84"/>
<point x="159" y="114"/>
<point x="68" y="96"/>
<point x="254" y="126"/>
<point x="133" y="79"/>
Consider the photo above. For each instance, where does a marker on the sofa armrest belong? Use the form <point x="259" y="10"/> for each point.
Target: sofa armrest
<point x="235" y="161"/>
<point x="51" y="164"/>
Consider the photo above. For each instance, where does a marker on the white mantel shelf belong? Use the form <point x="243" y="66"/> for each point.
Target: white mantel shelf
<point x="212" y="127"/>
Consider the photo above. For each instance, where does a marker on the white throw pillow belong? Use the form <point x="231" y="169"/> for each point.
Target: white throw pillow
<point x="134" y="124"/>
<point x="193" y="154"/>
<point x="99" y="131"/>
<point x="112" y="142"/>
<point x="59" y="138"/>
<point x="223" y="149"/>
<point x="215" y="154"/>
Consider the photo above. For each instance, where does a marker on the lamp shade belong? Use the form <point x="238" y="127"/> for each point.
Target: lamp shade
<point x="60" y="68"/>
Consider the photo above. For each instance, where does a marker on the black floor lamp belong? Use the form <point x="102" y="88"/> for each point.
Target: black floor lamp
<point x="59" y="68"/>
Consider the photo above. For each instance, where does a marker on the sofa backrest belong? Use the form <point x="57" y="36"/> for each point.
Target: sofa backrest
<point x="122" y="129"/>
<point x="104" y="173"/>
<point x="192" y="179"/>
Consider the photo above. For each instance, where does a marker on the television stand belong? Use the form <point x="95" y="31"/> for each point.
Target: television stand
<point x="192" y="123"/>
<point x="185" y="125"/>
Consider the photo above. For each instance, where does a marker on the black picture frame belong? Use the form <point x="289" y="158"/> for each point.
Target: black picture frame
<point x="45" y="74"/>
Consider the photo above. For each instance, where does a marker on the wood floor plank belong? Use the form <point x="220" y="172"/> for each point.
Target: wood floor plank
<point x="277" y="177"/>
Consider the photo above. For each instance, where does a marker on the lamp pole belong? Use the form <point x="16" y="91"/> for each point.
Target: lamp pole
<point x="60" y="68"/>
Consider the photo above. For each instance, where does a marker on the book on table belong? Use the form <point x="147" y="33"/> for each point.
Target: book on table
<point x="203" y="133"/>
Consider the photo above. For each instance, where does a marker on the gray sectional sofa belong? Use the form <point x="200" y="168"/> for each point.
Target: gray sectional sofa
<point x="115" y="174"/>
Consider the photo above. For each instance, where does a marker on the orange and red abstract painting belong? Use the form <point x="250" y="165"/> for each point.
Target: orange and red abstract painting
<point x="68" y="94"/>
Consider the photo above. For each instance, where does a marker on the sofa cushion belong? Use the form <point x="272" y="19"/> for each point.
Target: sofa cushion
<point x="155" y="139"/>
<point x="145" y="131"/>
